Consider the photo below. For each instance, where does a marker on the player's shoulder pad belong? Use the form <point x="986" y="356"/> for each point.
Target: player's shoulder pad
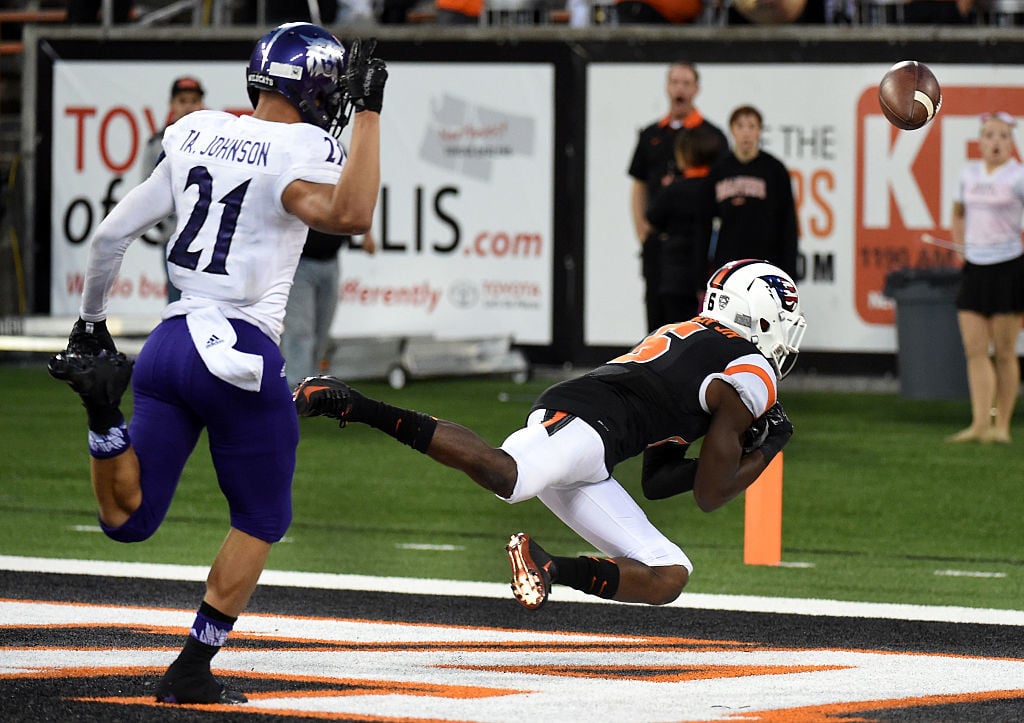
<point x="308" y="144"/>
<point x="752" y="376"/>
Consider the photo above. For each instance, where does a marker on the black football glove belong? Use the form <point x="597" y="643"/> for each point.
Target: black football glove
<point x="755" y="435"/>
<point x="89" y="338"/>
<point x="780" y="429"/>
<point x="365" y="77"/>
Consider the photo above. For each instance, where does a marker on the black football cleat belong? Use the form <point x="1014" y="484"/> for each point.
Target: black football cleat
<point x="323" y="396"/>
<point x="531" y="571"/>
<point x="195" y="688"/>
<point x="100" y="380"/>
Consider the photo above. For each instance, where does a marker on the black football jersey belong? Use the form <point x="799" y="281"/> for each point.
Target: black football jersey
<point x="656" y="392"/>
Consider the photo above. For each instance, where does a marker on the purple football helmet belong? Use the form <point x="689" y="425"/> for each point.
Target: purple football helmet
<point x="305" y="64"/>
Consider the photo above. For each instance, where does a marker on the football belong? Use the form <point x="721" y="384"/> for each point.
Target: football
<point x="909" y="95"/>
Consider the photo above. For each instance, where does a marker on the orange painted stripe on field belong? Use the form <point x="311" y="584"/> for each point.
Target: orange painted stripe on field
<point x="439" y="645"/>
<point x="353" y="687"/>
<point x="653" y="673"/>
<point x="258" y="713"/>
<point x="840" y="712"/>
<point x="333" y="620"/>
<point x="377" y="687"/>
<point x="82" y="672"/>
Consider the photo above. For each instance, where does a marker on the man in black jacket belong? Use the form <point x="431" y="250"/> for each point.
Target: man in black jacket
<point x="752" y="197"/>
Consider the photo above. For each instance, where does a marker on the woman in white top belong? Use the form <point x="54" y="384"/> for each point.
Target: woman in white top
<point x="987" y="223"/>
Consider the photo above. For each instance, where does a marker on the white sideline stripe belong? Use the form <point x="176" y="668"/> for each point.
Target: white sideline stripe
<point x="415" y="586"/>
<point x="969" y="573"/>
<point x="8" y="342"/>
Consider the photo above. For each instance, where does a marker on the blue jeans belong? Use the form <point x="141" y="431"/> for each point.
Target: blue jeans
<point x="308" y="317"/>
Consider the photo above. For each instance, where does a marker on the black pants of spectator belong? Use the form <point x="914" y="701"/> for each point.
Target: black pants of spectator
<point x="395" y="12"/>
<point x="87" y="12"/>
<point x="450" y="17"/>
<point x="286" y="11"/>
<point x="634" y="12"/>
<point x="934" y="12"/>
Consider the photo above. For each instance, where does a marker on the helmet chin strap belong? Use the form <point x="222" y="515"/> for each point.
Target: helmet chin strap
<point x="312" y="113"/>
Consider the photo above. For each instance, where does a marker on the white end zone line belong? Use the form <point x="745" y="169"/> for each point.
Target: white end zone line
<point x="415" y="586"/>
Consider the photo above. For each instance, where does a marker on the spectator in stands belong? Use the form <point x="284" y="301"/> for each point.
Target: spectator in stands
<point x="784" y="12"/>
<point x="752" y="197"/>
<point x="658" y="12"/>
<point x="395" y="12"/>
<point x="938" y="12"/>
<point x="87" y="12"/>
<point x="286" y="11"/>
<point x="653" y="167"/>
<point x="681" y="219"/>
<point x="312" y="303"/>
<point x="351" y="12"/>
<point x="459" y="12"/>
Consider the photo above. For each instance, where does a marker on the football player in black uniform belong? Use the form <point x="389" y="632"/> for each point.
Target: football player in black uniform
<point x="715" y="376"/>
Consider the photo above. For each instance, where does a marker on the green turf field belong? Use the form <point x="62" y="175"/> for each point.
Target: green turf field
<point x="875" y="503"/>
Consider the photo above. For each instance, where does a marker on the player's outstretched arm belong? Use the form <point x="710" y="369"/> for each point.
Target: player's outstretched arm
<point x="723" y="469"/>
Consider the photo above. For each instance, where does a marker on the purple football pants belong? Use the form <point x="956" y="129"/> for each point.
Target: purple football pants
<point x="253" y="435"/>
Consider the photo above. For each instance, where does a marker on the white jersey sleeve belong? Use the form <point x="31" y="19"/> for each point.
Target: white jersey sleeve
<point x="143" y="206"/>
<point x="235" y="246"/>
<point x="753" y="379"/>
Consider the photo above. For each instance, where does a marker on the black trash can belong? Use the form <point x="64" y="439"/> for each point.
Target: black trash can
<point x="930" y="353"/>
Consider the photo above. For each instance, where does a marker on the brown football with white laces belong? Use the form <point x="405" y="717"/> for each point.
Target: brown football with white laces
<point x="909" y="95"/>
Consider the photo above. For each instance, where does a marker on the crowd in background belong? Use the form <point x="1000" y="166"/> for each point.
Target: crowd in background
<point x="579" y="13"/>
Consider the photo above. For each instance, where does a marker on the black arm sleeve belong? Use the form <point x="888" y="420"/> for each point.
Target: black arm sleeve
<point x="667" y="472"/>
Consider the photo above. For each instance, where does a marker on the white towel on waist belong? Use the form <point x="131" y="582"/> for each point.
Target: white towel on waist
<point x="214" y="339"/>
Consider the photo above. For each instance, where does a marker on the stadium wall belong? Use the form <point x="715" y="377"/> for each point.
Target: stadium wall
<point x="504" y="203"/>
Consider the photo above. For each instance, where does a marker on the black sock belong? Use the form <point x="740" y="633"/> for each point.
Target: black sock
<point x="198" y="653"/>
<point x="102" y="417"/>
<point x="211" y="612"/>
<point x="592" y="575"/>
<point x="195" y="655"/>
<point x="408" y="427"/>
<point x="188" y="679"/>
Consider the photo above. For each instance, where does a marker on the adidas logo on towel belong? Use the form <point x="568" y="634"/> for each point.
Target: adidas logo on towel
<point x="214" y="340"/>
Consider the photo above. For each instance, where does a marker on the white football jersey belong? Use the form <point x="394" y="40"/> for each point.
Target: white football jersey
<point x="235" y="245"/>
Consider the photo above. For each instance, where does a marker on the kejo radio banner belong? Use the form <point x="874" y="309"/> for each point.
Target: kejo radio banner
<point x="463" y="224"/>
<point x="866" y="192"/>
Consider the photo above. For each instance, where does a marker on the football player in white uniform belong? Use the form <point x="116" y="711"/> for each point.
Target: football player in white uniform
<point x="714" y="376"/>
<point x="244" y="190"/>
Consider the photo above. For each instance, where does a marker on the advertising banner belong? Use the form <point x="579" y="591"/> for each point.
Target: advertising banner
<point x="866" y="192"/>
<point x="103" y="114"/>
<point x="463" y="223"/>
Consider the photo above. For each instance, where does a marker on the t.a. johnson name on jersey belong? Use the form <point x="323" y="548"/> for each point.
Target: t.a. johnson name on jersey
<point x="240" y="150"/>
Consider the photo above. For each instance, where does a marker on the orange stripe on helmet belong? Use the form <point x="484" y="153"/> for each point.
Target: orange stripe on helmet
<point x="718" y="280"/>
